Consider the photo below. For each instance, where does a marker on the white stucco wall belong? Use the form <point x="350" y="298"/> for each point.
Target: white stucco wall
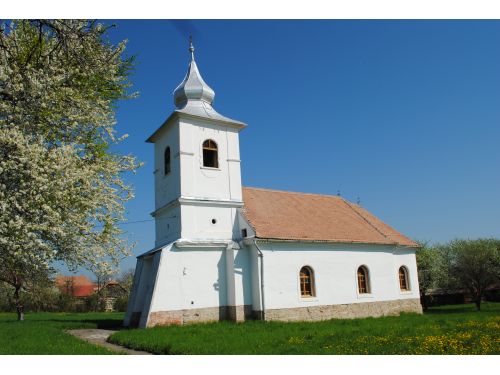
<point x="242" y="277"/>
<point x="197" y="221"/>
<point x="191" y="279"/>
<point x="335" y="273"/>
<point x="143" y="283"/>
<point x="167" y="187"/>
<point x="168" y="225"/>
<point x="255" y="278"/>
<point x="242" y="223"/>
<point x="193" y="182"/>
<point x="197" y="278"/>
<point x="223" y="182"/>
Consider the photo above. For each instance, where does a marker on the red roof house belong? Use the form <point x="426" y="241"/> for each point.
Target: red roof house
<point x="76" y="286"/>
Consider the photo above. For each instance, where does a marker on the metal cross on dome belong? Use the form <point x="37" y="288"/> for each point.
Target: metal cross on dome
<point x="191" y="47"/>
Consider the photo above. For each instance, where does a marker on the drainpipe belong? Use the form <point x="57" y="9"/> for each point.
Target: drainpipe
<point x="261" y="256"/>
<point x="230" y="283"/>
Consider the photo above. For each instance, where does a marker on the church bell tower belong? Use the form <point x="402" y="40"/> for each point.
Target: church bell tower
<point x="197" y="168"/>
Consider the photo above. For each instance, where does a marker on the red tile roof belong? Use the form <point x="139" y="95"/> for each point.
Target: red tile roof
<point x="286" y="215"/>
<point x="77" y="286"/>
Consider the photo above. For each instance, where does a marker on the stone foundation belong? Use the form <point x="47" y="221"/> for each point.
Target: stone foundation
<point x="239" y="313"/>
<point x="207" y="314"/>
<point x="346" y="311"/>
<point x="311" y="313"/>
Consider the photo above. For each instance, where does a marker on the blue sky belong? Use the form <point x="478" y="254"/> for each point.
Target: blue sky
<point x="404" y="115"/>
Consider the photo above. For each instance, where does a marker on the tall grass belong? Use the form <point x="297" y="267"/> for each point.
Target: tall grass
<point x="447" y="330"/>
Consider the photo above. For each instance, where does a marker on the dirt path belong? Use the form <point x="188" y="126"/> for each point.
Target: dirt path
<point x="99" y="337"/>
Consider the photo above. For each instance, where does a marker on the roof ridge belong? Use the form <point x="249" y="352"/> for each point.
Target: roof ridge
<point x="294" y="192"/>
<point x="368" y="221"/>
<point x="392" y="229"/>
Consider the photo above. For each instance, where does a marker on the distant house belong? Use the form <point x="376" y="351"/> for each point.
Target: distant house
<point x="437" y="297"/>
<point x="82" y="287"/>
<point x="77" y="286"/>
<point x="110" y="292"/>
<point x="113" y="289"/>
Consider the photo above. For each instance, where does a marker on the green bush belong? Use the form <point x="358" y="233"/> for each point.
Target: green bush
<point x="121" y="303"/>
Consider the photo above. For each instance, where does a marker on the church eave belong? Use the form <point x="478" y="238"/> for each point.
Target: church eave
<point x="198" y="201"/>
<point x="219" y="119"/>
<point x="249" y="240"/>
<point x="192" y="243"/>
<point x="154" y="250"/>
<point x="179" y="114"/>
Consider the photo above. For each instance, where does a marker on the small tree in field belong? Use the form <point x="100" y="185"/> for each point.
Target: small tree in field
<point x="61" y="188"/>
<point x="103" y="273"/>
<point x="126" y="279"/>
<point x="430" y="271"/>
<point x="474" y="265"/>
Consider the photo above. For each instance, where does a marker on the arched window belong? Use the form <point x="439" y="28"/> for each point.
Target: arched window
<point x="363" y="280"/>
<point x="166" y="160"/>
<point x="210" y="157"/>
<point x="403" y="279"/>
<point x="306" y="282"/>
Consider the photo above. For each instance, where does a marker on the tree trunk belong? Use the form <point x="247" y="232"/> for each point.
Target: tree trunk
<point x="19" y="304"/>
<point x="423" y="301"/>
<point x="478" y="299"/>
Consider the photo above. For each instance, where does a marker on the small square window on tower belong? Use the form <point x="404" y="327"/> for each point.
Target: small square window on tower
<point x="244" y="233"/>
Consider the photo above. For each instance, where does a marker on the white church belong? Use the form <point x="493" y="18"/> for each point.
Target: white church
<point x="227" y="252"/>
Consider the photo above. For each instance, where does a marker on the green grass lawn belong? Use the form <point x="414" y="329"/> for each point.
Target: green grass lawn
<point x="455" y="329"/>
<point x="43" y="333"/>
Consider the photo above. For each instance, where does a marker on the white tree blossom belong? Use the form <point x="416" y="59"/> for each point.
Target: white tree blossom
<point x="61" y="187"/>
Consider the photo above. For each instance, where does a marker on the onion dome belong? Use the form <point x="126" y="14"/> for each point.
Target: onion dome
<point x="193" y="87"/>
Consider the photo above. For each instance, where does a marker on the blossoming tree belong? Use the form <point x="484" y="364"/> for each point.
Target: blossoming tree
<point x="62" y="191"/>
